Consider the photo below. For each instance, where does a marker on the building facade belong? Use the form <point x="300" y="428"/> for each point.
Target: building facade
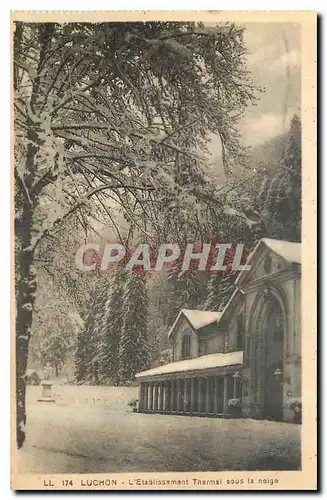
<point x="247" y="355"/>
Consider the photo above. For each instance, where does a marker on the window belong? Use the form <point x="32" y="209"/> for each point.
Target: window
<point x="186" y="346"/>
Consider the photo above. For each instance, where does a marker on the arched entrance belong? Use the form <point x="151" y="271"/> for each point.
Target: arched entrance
<point x="273" y="361"/>
<point x="267" y="356"/>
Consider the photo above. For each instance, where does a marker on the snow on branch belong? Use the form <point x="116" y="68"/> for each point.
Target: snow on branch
<point x="83" y="200"/>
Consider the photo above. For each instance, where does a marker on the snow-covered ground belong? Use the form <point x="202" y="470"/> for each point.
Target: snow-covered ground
<point x="80" y="437"/>
<point x="115" y="398"/>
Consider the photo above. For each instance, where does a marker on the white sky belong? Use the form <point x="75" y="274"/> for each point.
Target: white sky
<point x="277" y="68"/>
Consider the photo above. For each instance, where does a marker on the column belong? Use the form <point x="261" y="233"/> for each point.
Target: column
<point x="215" y="396"/>
<point x="200" y="398"/>
<point x="186" y="397"/>
<point x="142" y="390"/>
<point x="178" y="395"/>
<point x="161" y="401"/>
<point x="151" y="397"/>
<point x="173" y="396"/>
<point x="225" y="410"/>
<point x="146" y="395"/>
<point x="156" y="391"/>
<point x="208" y="395"/>
<point x="168" y="395"/>
<point x="192" y="401"/>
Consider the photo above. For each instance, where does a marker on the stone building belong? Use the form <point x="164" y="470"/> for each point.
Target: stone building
<point x="249" y="353"/>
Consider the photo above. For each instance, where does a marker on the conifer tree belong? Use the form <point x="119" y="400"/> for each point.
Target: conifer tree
<point x="283" y="202"/>
<point x="83" y="354"/>
<point x="220" y="289"/>
<point x="134" y="349"/>
<point x="94" y="354"/>
<point x="185" y="286"/>
<point x="111" y="328"/>
<point x="87" y="355"/>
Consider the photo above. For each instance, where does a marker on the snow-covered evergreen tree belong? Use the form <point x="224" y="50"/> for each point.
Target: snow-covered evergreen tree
<point x="184" y="291"/>
<point x="220" y="289"/>
<point x="134" y="349"/>
<point x="283" y="202"/>
<point x="82" y="353"/>
<point x="111" y="328"/>
<point x="95" y="334"/>
<point x="80" y="356"/>
<point x="87" y="355"/>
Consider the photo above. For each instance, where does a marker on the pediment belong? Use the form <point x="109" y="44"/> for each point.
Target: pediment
<point x="265" y="261"/>
<point x="182" y="325"/>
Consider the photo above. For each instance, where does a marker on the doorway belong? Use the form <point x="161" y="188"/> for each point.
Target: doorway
<point x="273" y="361"/>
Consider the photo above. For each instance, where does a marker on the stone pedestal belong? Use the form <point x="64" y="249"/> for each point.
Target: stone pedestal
<point x="46" y="393"/>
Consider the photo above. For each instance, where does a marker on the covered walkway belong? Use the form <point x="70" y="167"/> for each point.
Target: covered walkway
<point x="201" y="386"/>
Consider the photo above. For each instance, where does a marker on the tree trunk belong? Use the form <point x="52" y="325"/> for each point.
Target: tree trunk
<point x="25" y="284"/>
<point x="25" y="205"/>
<point x="25" y="296"/>
<point x="25" y="289"/>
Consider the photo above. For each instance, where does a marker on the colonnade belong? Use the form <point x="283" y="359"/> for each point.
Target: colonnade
<point x="198" y="395"/>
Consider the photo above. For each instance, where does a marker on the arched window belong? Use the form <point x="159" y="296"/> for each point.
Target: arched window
<point x="186" y="346"/>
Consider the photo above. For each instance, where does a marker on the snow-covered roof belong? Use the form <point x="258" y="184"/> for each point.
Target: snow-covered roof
<point x="200" y="318"/>
<point x="217" y="360"/>
<point x="197" y="318"/>
<point x="289" y="250"/>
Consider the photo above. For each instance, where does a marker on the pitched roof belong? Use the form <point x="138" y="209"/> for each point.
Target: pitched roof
<point x="217" y="360"/>
<point x="200" y="318"/>
<point x="197" y="318"/>
<point x="289" y="250"/>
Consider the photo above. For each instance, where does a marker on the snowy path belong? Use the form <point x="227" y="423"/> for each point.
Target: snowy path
<point x="91" y="438"/>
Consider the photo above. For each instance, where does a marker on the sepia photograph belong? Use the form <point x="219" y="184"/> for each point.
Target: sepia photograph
<point x="161" y="234"/>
